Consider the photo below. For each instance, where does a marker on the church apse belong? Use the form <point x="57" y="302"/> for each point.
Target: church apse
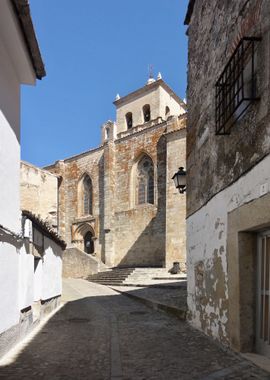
<point x="116" y="198"/>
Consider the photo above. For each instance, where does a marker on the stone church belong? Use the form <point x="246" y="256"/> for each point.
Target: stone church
<point x="118" y="202"/>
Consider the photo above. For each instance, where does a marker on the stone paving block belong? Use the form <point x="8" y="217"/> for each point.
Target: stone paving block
<point x="100" y="334"/>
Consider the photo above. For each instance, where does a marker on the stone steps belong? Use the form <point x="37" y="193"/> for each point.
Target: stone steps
<point x="114" y="276"/>
<point x="135" y="276"/>
<point x="110" y="276"/>
<point x="142" y="275"/>
<point x="108" y="283"/>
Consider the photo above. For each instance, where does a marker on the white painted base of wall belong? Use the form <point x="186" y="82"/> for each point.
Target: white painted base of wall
<point x="9" y="284"/>
<point x="207" y="237"/>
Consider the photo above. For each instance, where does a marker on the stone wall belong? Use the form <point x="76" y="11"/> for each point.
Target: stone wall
<point x="214" y="162"/>
<point x="127" y="234"/>
<point x="157" y="95"/>
<point x="224" y="172"/>
<point x="71" y="220"/>
<point x="78" y="264"/>
<point x="39" y="192"/>
<point x="135" y="107"/>
<point x="175" y="202"/>
<point x="140" y="229"/>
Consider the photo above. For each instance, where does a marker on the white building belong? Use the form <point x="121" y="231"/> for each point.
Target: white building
<point x="41" y="278"/>
<point x="20" y="63"/>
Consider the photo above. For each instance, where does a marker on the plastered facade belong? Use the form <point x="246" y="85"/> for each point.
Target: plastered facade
<point x="51" y="270"/>
<point x="15" y="69"/>
<point x="224" y="172"/>
<point x="17" y="66"/>
<point x="124" y="232"/>
<point x="207" y="259"/>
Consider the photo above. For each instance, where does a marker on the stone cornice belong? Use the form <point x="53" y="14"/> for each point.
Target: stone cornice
<point x="146" y="89"/>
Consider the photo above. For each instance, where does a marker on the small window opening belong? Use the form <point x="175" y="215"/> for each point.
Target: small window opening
<point x="129" y="120"/>
<point x="167" y="111"/>
<point x="107" y="133"/>
<point x="146" y="113"/>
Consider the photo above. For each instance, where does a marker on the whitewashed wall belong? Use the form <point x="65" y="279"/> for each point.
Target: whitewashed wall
<point x="9" y="144"/>
<point x="26" y="277"/>
<point x="46" y="281"/>
<point x="207" y="236"/>
<point x="9" y="284"/>
<point x="15" y="68"/>
<point x="38" y="274"/>
<point x="51" y="270"/>
<point x="9" y="191"/>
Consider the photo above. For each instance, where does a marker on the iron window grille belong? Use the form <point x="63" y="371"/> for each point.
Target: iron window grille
<point x="236" y="86"/>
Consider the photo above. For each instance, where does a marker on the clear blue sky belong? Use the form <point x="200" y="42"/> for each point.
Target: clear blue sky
<point x="92" y="51"/>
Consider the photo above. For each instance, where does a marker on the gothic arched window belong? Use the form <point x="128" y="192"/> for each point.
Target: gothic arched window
<point x="146" y="113"/>
<point x="167" y="111"/>
<point x="145" y="181"/>
<point x="87" y="195"/>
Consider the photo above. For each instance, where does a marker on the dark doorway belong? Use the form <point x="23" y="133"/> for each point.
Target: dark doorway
<point x="88" y="243"/>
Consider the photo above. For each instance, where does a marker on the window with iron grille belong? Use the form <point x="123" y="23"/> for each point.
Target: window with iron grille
<point x="236" y="87"/>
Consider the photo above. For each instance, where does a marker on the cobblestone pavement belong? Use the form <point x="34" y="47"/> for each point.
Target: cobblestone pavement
<point x="176" y="297"/>
<point x="99" y="334"/>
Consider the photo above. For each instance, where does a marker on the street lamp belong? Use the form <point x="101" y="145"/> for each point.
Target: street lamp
<point x="180" y="180"/>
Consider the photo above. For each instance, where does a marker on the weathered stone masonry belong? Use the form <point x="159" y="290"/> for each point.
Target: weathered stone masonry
<point x="221" y="161"/>
<point x="126" y="233"/>
<point x="225" y="173"/>
<point x="39" y="193"/>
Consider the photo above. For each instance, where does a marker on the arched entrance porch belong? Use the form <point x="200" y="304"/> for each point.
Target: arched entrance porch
<point x="84" y="238"/>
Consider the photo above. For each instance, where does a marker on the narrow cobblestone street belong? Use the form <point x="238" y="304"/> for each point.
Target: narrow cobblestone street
<point x="99" y="334"/>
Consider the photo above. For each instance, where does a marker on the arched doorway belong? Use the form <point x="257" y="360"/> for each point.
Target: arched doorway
<point x="88" y="243"/>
